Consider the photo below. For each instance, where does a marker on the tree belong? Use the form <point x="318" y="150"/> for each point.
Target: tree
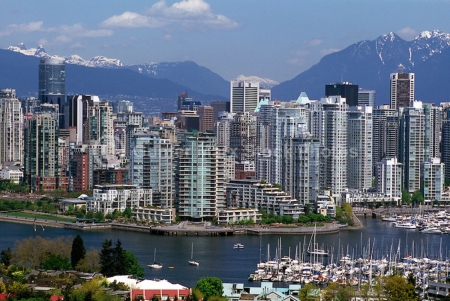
<point x="107" y="259"/>
<point x="398" y="288"/>
<point x="90" y="263"/>
<point x="112" y="260"/>
<point x="57" y="262"/>
<point x="331" y="291"/>
<point x="417" y="197"/>
<point x="132" y="265"/>
<point x="6" y="256"/>
<point x="20" y="290"/>
<point x="119" y="259"/>
<point x="306" y="292"/>
<point x="406" y="197"/>
<point x="78" y="250"/>
<point x="127" y="212"/>
<point x="209" y="287"/>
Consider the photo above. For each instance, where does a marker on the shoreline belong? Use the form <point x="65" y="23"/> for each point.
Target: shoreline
<point x="183" y="229"/>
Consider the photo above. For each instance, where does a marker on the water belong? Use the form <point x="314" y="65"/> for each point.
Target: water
<point x="217" y="257"/>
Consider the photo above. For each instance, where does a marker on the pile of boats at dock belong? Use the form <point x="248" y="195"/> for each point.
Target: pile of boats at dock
<point x="350" y="271"/>
<point x="433" y="223"/>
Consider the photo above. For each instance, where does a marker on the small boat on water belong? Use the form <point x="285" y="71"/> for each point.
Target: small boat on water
<point x="192" y="261"/>
<point x="404" y="225"/>
<point x="155" y="265"/>
<point x="238" y="246"/>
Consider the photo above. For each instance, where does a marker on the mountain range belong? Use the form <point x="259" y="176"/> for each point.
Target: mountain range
<point x="154" y="87"/>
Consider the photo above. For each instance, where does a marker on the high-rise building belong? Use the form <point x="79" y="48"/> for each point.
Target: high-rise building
<point x="93" y="121"/>
<point x="183" y="97"/>
<point x="433" y="127"/>
<point x="359" y="161"/>
<point x="222" y="128"/>
<point x="206" y="118"/>
<point x="334" y="143"/>
<point x="196" y="177"/>
<point x="52" y="85"/>
<point x="11" y="130"/>
<point x="219" y="106"/>
<point x="244" y="96"/>
<point x="41" y="169"/>
<point x="151" y="166"/>
<point x="402" y="90"/>
<point x="345" y="90"/>
<point x="432" y="179"/>
<point x="379" y="134"/>
<point x="411" y="144"/>
<point x="366" y="97"/>
<point x="287" y="120"/>
<point x="445" y="146"/>
<point x="388" y="177"/>
<point x="243" y="137"/>
<point x="301" y="168"/>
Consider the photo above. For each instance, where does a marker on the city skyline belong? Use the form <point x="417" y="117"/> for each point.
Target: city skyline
<point x="294" y="37"/>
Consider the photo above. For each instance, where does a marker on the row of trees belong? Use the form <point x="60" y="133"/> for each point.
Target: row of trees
<point x="63" y="253"/>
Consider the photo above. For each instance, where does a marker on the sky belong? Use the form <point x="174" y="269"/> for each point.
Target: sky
<point x="275" y="39"/>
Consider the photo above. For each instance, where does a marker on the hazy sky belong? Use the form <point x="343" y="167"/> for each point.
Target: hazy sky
<point x="276" y="39"/>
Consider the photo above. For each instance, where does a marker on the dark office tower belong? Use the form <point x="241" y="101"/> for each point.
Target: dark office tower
<point x="402" y="90"/>
<point x="182" y="98"/>
<point x="52" y="85"/>
<point x="445" y="147"/>
<point x="346" y="90"/>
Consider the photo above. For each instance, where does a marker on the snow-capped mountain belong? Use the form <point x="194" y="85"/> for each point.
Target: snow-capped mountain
<point x="98" y="61"/>
<point x="263" y="82"/>
<point x="369" y="63"/>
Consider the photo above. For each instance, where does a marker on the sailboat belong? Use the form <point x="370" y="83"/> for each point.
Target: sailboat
<point x="313" y="248"/>
<point x="192" y="261"/>
<point x="155" y="265"/>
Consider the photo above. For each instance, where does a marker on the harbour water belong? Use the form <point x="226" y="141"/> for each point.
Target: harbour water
<point x="218" y="258"/>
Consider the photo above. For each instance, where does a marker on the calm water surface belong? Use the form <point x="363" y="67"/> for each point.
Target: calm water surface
<point x="218" y="258"/>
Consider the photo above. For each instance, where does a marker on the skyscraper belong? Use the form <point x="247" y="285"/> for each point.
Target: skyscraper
<point x="196" y="177"/>
<point x="41" y="153"/>
<point x="402" y="90"/>
<point x="366" y="97"/>
<point x="334" y="142"/>
<point x="432" y="179"/>
<point x="151" y="166"/>
<point x="411" y="144"/>
<point x="359" y="165"/>
<point x="11" y="130"/>
<point x="52" y="85"/>
<point x="346" y="90"/>
<point x="244" y="96"/>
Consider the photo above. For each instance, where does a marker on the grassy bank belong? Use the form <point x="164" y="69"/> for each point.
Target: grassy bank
<point x="39" y="216"/>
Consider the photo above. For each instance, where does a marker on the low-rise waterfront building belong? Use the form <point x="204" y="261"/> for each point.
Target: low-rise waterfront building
<point x="260" y="195"/>
<point x="233" y="216"/>
<point x="107" y="198"/>
<point x="155" y="214"/>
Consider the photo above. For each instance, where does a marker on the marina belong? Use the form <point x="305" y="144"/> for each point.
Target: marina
<point x="220" y="259"/>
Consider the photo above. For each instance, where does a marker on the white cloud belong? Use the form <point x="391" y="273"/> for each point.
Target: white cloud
<point x="407" y="33"/>
<point x="167" y="37"/>
<point x="329" y="50"/>
<point x="132" y="20"/>
<point x="64" y="33"/>
<point x="21" y="28"/>
<point x="186" y="13"/>
<point x="312" y="43"/>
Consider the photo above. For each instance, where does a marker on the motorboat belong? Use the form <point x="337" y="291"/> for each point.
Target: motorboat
<point x="404" y="225"/>
<point x="238" y="246"/>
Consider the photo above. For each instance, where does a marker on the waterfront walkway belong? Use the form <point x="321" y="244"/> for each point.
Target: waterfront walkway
<point x="182" y="229"/>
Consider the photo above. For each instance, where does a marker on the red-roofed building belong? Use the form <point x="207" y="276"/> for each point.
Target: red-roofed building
<point x="56" y="298"/>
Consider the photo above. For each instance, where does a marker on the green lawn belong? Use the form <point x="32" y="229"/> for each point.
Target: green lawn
<point x="40" y="216"/>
